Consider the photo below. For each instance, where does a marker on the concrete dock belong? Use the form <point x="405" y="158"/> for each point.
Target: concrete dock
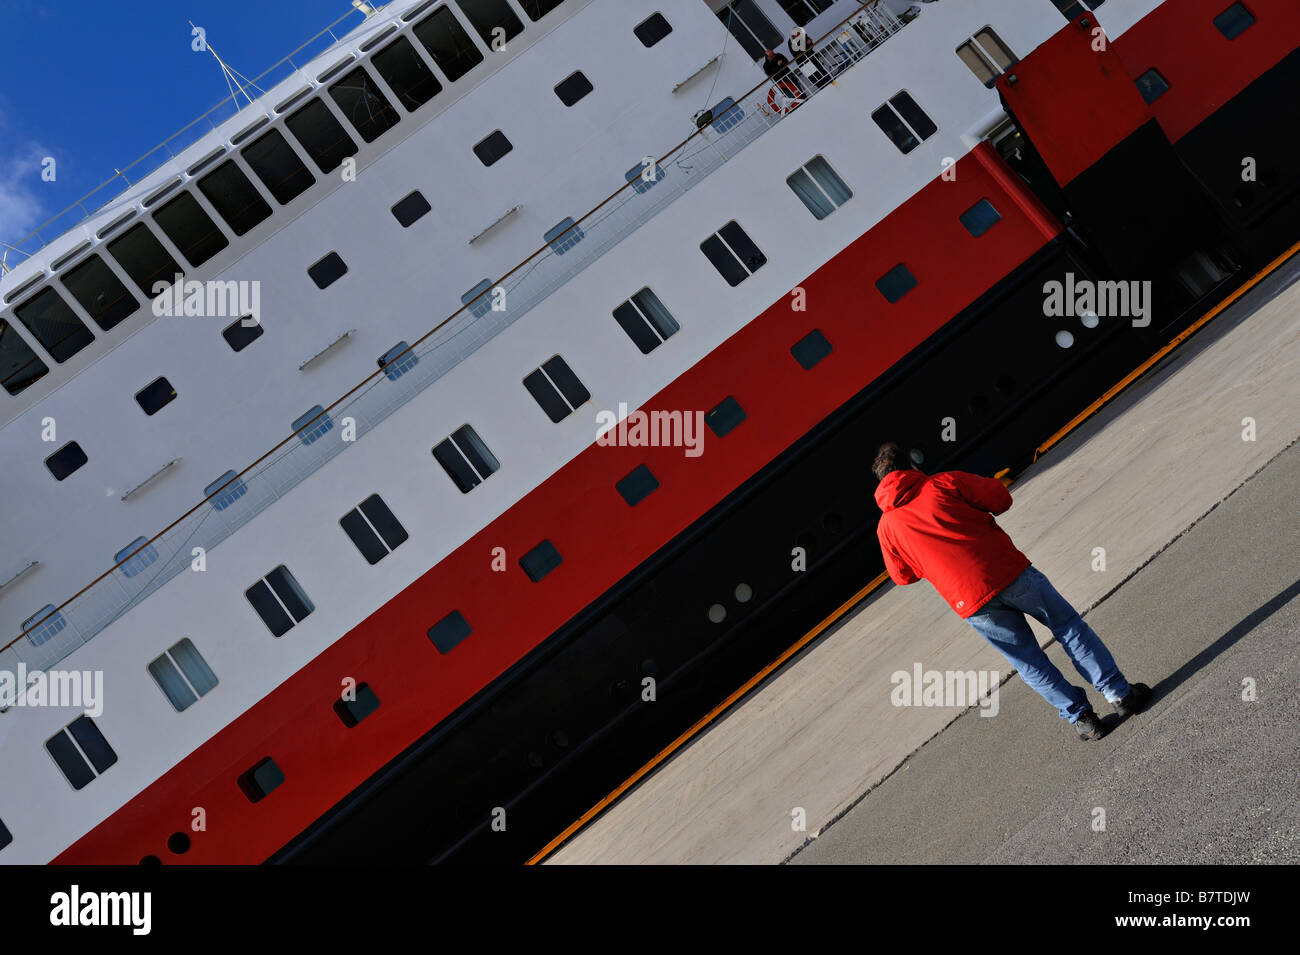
<point x="1190" y="483"/>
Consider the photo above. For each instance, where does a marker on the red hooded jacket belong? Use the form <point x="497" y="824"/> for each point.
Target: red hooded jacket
<point x="941" y="527"/>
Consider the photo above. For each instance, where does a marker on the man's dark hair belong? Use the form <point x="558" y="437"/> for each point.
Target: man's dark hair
<point x="890" y="457"/>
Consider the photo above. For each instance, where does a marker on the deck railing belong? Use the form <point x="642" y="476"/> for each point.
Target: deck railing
<point x="725" y="131"/>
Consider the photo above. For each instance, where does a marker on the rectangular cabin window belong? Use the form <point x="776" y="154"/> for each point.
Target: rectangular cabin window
<point x="573" y="88"/>
<point x="726" y="115"/>
<point x="1234" y="21"/>
<point x="905" y="123"/>
<point x="155" y="396"/>
<point x="225" y="490"/>
<point x="279" y="601"/>
<point x="802" y="12"/>
<point x="312" y="425"/>
<point x="364" y="105"/>
<point x="406" y="74"/>
<point x="182" y="674"/>
<point x="441" y="34"/>
<point x="896" y="283"/>
<point x="274" y="162"/>
<point x="733" y="253"/>
<point x="638" y="485"/>
<point x="564" y="235"/>
<point x="987" y="56"/>
<point x="67" y="459"/>
<point x="1152" y="85"/>
<point x="354" y="707"/>
<point x="19" y="364"/>
<point x="1070" y="8"/>
<point x="650" y="31"/>
<point x="242" y="333"/>
<point x="97" y="290"/>
<point x="645" y="176"/>
<point x="492" y="147"/>
<point x="1076" y="8"/>
<point x="536" y="9"/>
<point x="466" y="459"/>
<point x="144" y="259"/>
<point x="373" y="528"/>
<point x="645" y="319"/>
<point x="234" y="197"/>
<point x="321" y="135"/>
<point x="540" y="561"/>
<point x="479" y="299"/>
<point x="261" y="779"/>
<point x="42" y="626"/>
<point x="328" y="270"/>
<point x="411" y="208"/>
<point x="751" y="28"/>
<point x="980" y="217"/>
<point x="54" y="324"/>
<point x="191" y="229"/>
<point x="819" y="187"/>
<point x="449" y="631"/>
<point x="486" y="15"/>
<point x="81" y="751"/>
<point x="723" y="418"/>
<point x="810" y="349"/>
<point x="556" y="388"/>
<point x="398" y="360"/>
<point x="135" y="557"/>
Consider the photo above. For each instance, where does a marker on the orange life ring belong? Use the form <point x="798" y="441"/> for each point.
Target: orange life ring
<point x="789" y="92"/>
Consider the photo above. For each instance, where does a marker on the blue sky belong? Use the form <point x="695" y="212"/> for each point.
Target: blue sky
<point x="93" y="84"/>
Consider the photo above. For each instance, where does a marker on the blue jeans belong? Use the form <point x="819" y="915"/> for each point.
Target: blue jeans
<point x="1002" y="623"/>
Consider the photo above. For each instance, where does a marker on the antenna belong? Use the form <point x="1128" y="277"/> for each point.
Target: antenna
<point x="234" y="79"/>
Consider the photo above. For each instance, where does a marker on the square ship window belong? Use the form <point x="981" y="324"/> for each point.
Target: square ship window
<point x="573" y="88"/>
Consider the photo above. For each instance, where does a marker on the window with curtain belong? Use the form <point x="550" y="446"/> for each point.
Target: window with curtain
<point x="819" y="187"/>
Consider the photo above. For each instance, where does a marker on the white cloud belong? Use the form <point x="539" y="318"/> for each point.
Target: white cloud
<point x="21" y="205"/>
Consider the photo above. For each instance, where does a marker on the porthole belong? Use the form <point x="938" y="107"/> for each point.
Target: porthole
<point x="1089" y="319"/>
<point x="1064" y="338"/>
<point x="178" y="843"/>
<point x="717" y="613"/>
<point x="744" y="593"/>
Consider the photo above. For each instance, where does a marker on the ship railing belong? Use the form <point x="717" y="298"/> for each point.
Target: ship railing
<point x="723" y="132"/>
<point x="171" y="148"/>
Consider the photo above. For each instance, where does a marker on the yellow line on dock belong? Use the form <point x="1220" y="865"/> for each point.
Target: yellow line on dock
<point x="708" y="718"/>
<point x="857" y="598"/>
<point x="1182" y="336"/>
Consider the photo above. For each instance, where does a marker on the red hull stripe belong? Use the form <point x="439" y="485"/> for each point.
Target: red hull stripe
<point x="600" y="537"/>
<point x="1203" y="68"/>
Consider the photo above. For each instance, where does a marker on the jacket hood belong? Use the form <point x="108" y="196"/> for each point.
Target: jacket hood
<point x="899" y="487"/>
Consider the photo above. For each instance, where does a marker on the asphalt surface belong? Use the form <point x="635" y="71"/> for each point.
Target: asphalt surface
<point x="1201" y="776"/>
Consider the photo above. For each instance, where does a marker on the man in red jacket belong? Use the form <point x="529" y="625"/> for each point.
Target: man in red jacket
<point x="941" y="528"/>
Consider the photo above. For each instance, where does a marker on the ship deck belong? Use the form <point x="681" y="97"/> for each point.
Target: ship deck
<point x="1202" y="547"/>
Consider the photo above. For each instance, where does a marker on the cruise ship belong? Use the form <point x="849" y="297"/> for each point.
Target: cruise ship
<point x="414" y="445"/>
